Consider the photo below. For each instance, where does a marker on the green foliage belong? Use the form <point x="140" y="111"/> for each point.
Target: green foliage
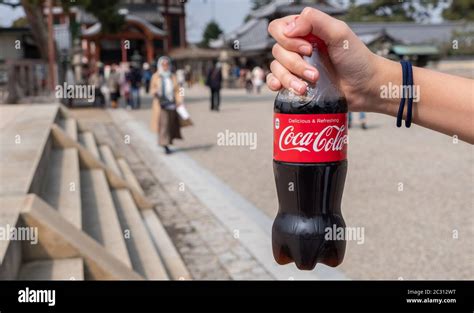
<point x="377" y="11"/>
<point x="105" y="11"/>
<point x="393" y="11"/>
<point x="212" y="31"/>
<point x="20" y="22"/>
<point x="460" y="9"/>
<point x="256" y="4"/>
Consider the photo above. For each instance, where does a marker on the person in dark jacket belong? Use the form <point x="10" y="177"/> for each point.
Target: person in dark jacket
<point x="214" y="82"/>
<point x="135" y="78"/>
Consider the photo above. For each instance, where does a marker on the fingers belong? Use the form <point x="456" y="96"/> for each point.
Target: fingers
<point x="277" y="29"/>
<point x="273" y="83"/>
<point x="329" y="29"/>
<point x="287" y="79"/>
<point x="295" y="64"/>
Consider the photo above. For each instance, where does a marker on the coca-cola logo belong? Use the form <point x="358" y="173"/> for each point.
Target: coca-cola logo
<point x="330" y="138"/>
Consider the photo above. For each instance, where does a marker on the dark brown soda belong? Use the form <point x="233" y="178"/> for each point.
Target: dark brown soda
<point x="312" y="205"/>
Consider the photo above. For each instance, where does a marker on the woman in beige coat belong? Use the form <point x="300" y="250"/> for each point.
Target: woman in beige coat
<point x="166" y="98"/>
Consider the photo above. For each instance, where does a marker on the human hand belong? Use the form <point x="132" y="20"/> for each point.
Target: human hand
<point x="355" y="66"/>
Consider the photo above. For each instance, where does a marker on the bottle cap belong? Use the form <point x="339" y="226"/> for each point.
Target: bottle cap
<point x="316" y="42"/>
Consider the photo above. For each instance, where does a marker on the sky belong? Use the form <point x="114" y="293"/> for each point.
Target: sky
<point x="229" y="14"/>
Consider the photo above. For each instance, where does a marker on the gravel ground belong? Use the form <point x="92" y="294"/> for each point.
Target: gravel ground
<point x="423" y="231"/>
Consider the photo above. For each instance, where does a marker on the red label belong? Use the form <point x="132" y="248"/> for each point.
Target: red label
<point x="309" y="138"/>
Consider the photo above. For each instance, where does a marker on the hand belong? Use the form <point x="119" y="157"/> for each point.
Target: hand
<point x="354" y="64"/>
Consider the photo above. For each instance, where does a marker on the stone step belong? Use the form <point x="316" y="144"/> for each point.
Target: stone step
<point x="129" y="176"/>
<point x="87" y="139"/>
<point x="70" y="126"/>
<point x="10" y="250"/>
<point x="62" y="188"/>
<point x="144" y="257"/>
<point x="59" y="239"/>
<point x="170" y="256"/>
<point x="108" y="158"/>
<point x="99" y="217"/>
<point x="58" y="269"/>
<point x="88" y="160"/>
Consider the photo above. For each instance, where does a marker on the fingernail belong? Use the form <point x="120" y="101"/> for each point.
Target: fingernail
<point x="305" y="49"/>
<point x="309" y="74"/>
<point x="289" y="27"/>
<point x="298" y="86"/>
<point x="273" y="82"/>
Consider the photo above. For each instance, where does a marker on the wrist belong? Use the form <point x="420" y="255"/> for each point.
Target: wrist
<point x="388" y="75"/>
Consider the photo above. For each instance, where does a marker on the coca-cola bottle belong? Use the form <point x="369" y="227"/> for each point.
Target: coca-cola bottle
<point x="310" y="165"/>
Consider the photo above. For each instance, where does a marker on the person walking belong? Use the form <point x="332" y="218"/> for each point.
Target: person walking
<point x="147" y="76"/>
<point x="248" y="81"/>
<point x="362" y="119"/>
<point x="97" y="80"/>
<point x="113" y="83"/>
<point x="135" y="78"/>
<point x="125" y="84"/>
<point x="214" y="82"/>
<point x="166" y="98"/>
<point x="257" y="78"/>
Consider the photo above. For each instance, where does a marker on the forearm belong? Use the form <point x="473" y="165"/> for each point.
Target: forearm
<point x="446" y="102"/>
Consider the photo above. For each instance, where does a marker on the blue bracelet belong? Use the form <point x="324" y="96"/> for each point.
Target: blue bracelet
<point x="407" y="74"/>
<point x="410" y="96"/>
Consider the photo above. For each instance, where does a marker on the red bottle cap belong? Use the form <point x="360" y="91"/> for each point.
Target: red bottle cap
<point x="316" y="42"/>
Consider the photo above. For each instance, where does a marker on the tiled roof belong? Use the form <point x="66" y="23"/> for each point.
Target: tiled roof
<point x="413" y="33"/>
<point x="150" y="14"/>
<point x="97" y="27"/>
<point x="283" y="7"/>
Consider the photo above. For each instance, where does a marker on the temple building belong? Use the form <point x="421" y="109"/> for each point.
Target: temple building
<point x="420" y="43"/>
<point x="152" y="28"/>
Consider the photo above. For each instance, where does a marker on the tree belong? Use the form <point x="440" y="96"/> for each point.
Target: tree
<point x="257" y="4"/>
<point x="460" y="9"/>
<point x="393" y="11"/>
<point x="212" y="31"/>
<point x="105" y="11"/>
<point x="20" y="22"/>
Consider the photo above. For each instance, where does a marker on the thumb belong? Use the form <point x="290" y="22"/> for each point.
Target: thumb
<point x="332" y="31"/>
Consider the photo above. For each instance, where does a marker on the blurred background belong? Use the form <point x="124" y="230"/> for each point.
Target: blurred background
<point x="214" y="199"/>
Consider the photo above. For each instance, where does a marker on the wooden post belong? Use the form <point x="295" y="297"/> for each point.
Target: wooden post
<point x="96" y="53"/>
<point x="51" y="48"/>
<point x="124" y="51"/>
<point x="149" y="50"/>
<point x="182" y="31"/>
